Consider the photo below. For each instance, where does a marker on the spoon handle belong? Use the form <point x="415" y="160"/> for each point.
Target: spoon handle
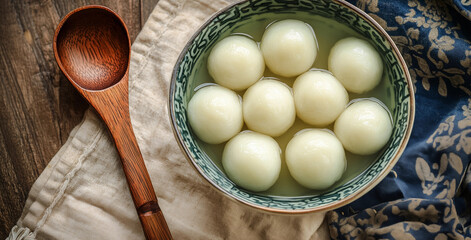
<point x="112" y="104"/>
<point x="142" y="191"/>
<point x="140" y="185"/>
<point x="154" y="225"/>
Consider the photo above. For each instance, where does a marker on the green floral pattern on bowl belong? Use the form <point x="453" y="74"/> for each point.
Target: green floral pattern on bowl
<point x="241" y="13"/>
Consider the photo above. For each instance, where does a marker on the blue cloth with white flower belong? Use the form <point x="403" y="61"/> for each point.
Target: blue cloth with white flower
<point x="428" y="193"/>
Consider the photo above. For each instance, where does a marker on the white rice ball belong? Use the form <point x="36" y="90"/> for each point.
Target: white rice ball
<point x="356" y="64"/>
<point x="315" y="158"/>
<point x="364" y="127"/>
<point x="236" y="62"/>
<point x="319" y="97"/>
<point x="289" y="47"/>
<point x="252" y="160"/>
<point x="268" y="108"/>
<point x="215" y="114"/>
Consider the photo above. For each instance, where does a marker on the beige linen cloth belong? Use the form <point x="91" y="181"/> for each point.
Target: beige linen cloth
<point x="82" y="193"/>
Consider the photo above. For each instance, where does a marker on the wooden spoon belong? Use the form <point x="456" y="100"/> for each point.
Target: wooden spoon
<point x="92" y="48"/>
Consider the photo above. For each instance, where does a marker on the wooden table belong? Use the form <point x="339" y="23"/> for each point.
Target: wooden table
<point x="38" y="106"/>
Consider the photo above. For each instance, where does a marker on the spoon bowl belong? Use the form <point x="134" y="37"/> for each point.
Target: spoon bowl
<point x="78" y="41"/>
<point x="92" y="48"/>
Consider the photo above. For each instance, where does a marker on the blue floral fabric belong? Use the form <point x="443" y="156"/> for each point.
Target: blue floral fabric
<point x="428" y="193"/>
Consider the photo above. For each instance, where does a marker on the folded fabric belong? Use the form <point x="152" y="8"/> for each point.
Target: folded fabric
<point x="425" y="195"/>
<point x="82" y="193"/>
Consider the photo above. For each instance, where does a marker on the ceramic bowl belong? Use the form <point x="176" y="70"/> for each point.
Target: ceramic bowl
<point x="242" y="16"/>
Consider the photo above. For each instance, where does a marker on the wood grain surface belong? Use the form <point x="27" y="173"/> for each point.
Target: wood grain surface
<point x="38" y="105"/>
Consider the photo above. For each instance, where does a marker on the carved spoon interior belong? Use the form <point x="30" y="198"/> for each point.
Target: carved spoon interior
<point x="92" y="48"/>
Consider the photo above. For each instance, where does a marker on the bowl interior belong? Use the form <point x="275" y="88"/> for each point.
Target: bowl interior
<point x="190" y="72"/>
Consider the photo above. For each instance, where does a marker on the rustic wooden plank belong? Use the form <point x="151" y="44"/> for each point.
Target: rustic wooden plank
<point x="38" y="106"/>
<point x="22" y="109"/>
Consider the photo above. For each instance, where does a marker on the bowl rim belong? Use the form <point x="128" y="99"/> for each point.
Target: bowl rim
<point x="330" y="206"/>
